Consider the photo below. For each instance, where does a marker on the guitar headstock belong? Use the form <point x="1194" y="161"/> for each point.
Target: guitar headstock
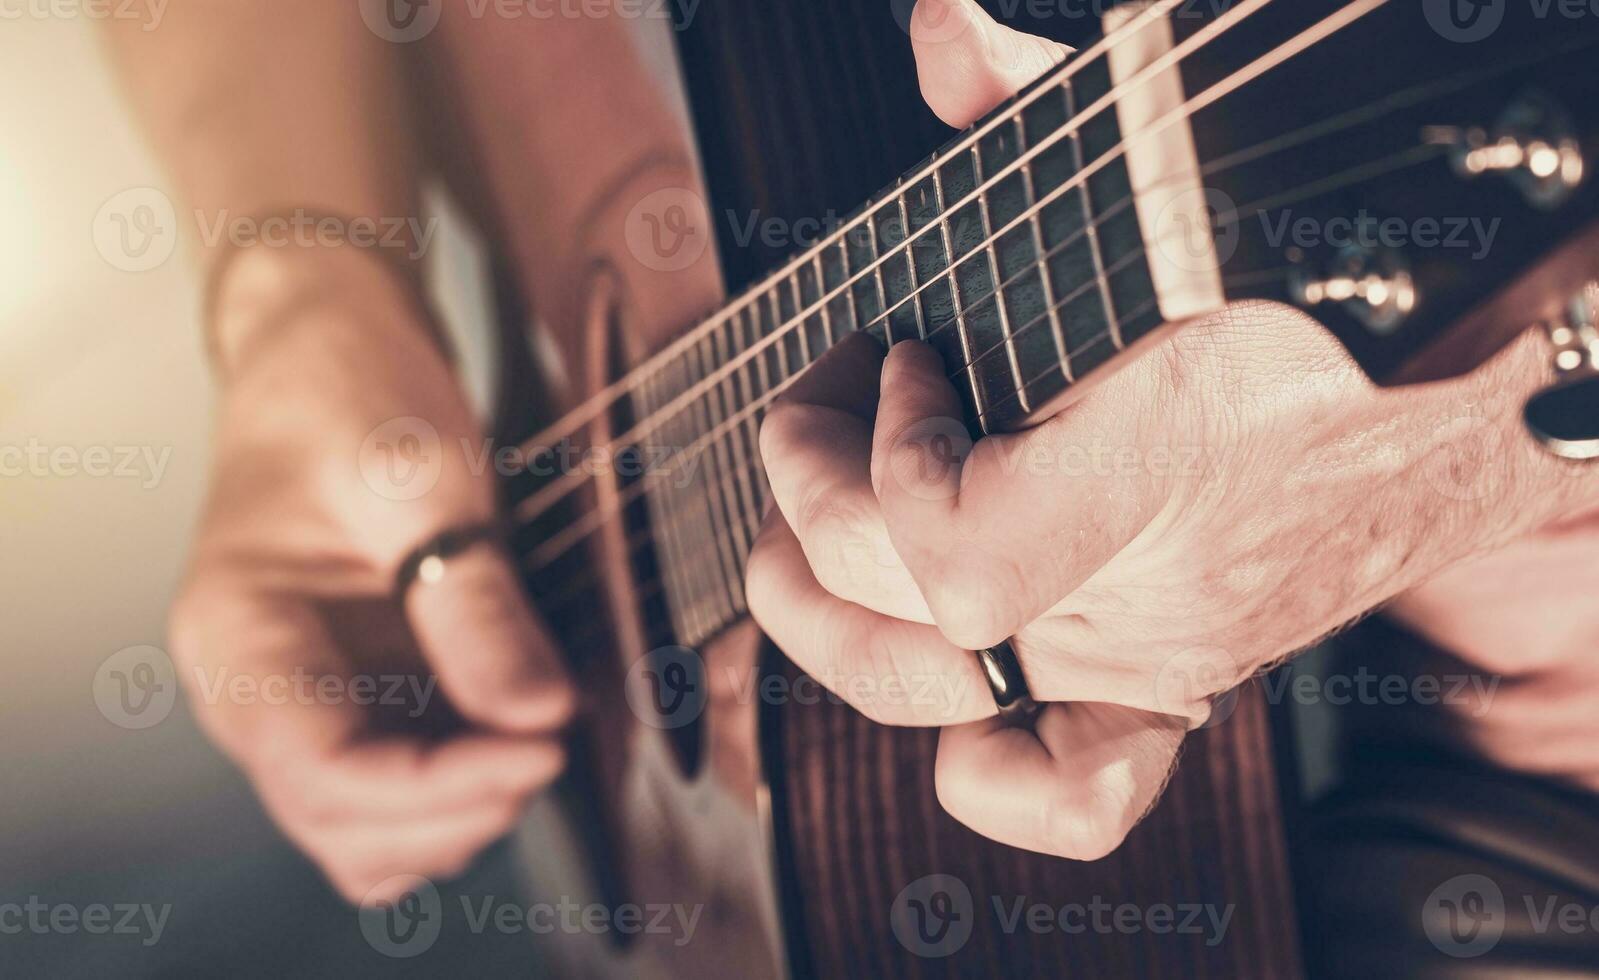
<point x="1421" y="180"/>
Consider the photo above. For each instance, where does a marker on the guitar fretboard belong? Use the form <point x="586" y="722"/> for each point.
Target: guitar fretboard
<point x="1024" y="279"/>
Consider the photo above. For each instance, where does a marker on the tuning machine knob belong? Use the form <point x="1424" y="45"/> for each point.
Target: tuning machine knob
<point x="1564" y="417"/>
<point x="1533" y="145"/>
<point x="1371" y="284"/>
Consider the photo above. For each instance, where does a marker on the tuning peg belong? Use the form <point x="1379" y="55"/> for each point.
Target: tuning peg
<point x="1564" y="417"/>
<point x="1533" y="145"/>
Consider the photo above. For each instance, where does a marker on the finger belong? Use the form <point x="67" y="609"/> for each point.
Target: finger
<point x="403" y="779"/>
<point x="894" y="672"/>
<point x="816" y="447"/>
<point x="305" y="751"/>
<point x="494" y="661"/>
<point x="818" y="461"/>
<point x="966" y="518"/>
<point x="360" y="860"/>
<point x="1074" y="789"/>
<point x="845" y="378"/>
<point x="902" y="673"/>
<point x="967" y="63"/>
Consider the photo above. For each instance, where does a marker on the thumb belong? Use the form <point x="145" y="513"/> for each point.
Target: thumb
<point x="494" y="660"/>
<point x="968" y="63"/>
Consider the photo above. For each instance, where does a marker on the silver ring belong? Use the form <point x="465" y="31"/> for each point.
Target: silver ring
<point x="426" y="562"/>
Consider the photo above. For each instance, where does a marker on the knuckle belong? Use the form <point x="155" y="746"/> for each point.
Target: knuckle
<point x="1092" y="822"/>
<point x="972" y="600"/>
<point x="833" y="526"/>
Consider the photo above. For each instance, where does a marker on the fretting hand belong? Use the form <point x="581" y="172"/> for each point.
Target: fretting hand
<point x="1219" y="504"/>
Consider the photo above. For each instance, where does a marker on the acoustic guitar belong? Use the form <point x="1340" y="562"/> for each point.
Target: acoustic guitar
<point x="1155" y="177"/>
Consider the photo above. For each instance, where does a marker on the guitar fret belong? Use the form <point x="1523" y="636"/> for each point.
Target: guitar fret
<point x="773" y="355"/>
<point x="1092" y="233"/>
<point x="753" y="373"/>
<point x="963" y="342"/>
<point x="690" y="506"/>
<point x="748" y="515"/>
<point x="731" y="578"/>
<point x="661" y="509"/>
<point x="827" y="324"/>
<point x="909" y="264"/>
<point x="1046" y="127"/>
<point x="984" y="199"/>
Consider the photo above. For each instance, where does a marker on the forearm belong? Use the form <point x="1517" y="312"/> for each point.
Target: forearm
<point x="255" y="108"/>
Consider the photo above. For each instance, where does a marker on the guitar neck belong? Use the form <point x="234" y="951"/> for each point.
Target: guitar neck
<point x="1009" y="251"/>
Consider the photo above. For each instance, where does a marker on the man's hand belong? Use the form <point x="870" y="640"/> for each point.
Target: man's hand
<point x="341" y="447"/>
<point x="1219" y="504"/>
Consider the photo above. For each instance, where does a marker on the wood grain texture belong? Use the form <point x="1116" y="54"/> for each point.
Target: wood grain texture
<point x="864" y="823"/>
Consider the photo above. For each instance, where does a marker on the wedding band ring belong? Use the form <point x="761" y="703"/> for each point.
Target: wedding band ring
<point x="1008" y="684"/>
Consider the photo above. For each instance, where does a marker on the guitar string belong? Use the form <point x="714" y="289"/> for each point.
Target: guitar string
<point x="561" y="544"/>
<point x="578" y="531"/>
<point x="724" y="481"/>
<point x="596" y="403"/>
<point x="540" y="501"/>
<point x="1412" y="96"/>
<point x="1364" y="170"/>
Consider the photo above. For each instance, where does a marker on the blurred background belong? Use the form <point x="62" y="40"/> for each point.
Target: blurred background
<point x="105" y="412"/>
